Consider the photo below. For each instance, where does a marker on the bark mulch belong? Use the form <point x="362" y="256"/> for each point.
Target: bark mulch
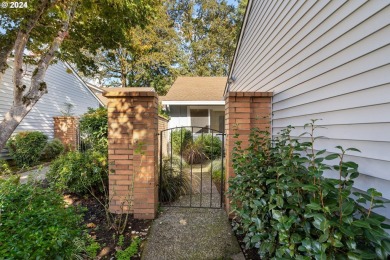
<point x="95" y="221"/>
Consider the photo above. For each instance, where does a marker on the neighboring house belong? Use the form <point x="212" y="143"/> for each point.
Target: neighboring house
<point x="196" y="101"/>
<point x="64" y="86"/>
<point x="326" y="60"/>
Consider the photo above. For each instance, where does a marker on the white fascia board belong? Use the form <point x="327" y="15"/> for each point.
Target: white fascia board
<point x="94" y="87"/>
<point x="185" y="103"/>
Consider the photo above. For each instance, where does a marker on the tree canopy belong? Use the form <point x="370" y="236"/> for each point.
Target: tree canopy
<point x="123" y="42"/>
<point x="146" y="58"/>
<point x="73" y="30"/>
<point x="187" y="37"/>
<point x="208" y="31"/>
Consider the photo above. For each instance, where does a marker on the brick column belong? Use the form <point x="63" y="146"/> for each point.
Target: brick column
<point x="132" y="151"/>
<point x="243" y="111"/>
<point x="163" y="125"/>
<point x="65" y="129"/>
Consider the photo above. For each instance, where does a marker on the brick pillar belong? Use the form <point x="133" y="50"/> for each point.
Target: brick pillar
<point x="243" y="111"/>
<point x="163" y="125"/>
<point x="132" y="151"/>
<point x="65" y="129"/>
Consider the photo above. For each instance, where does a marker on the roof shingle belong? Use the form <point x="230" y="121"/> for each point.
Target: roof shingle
<point x="196" y="89"/>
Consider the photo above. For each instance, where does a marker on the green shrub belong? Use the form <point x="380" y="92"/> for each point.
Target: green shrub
<point x="180" y="140"/>
<point x="212" y="145"/>
<point x="26" y="147"/>
<point x="174" y="180"/>
<point x="52" y="149"/>
<point x="4" y="168"/>
<point x="79" y="172"/>
<point x="130" y="251"/>
<point x="92" y="249"/>
<point x="35" y="224"/>
<point x="287" y="209"/>
<point x="94" y="127"/>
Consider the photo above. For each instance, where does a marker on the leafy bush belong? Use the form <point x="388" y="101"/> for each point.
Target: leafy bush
<point x="94" y="127"/>
<point x="79" y="172"/>
<point x="194" y="153"/>
<point x="212" y="145"/>
<point x="4" y="168"/>
<point x="174" y="180"/>
<point x="52" y="149"/>
<point x="35" y="224"/>
<point x="26" y="147"/>
<point x="286" y="208"/>
<point x="180" y="139"/>
<point x="130" y="251"/>
<point x="92" y="249"/>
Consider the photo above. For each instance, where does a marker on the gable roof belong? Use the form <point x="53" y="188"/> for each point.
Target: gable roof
<point x="196" y="89"/>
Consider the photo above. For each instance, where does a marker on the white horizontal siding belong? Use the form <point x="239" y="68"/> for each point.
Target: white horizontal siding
<point x="63" y="86"/>
<point x="356" y="99"/>
<point x="326" y="60"/>
<point x="361" y="115"/>
<point x="376" y="132"/>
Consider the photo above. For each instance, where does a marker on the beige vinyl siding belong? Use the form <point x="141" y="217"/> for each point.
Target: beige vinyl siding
<point x="327" y="60"/>
<point x="63" y="86"/>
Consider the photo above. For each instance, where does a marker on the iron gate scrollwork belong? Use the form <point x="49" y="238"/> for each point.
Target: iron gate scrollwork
<point x="192" y="167"/>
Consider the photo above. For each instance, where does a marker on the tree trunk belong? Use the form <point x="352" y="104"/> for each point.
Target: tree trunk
<point x="11" y="120"/>
<point x="21" y="37"/>
<point x="122" y="64"/>
<point x="5" y="51"/>
<point x="23" y="103"/>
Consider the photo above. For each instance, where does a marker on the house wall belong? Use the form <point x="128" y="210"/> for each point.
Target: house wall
<point x="178" y="116"/>
<point x="326" y="60"/>
<point x="63" y="86"/>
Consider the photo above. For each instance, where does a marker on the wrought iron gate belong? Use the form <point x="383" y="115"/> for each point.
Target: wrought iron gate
<point x="192" y="167"/>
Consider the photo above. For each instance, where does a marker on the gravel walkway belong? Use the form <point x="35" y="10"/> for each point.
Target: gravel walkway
<point x="193" y="233"/>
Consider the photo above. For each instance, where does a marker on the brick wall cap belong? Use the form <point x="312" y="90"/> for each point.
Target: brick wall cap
<point x="163" y="119"/>
<point x="130" y="92"/>
<point x="66" y="117"/>
<point x="249" y="94"/>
